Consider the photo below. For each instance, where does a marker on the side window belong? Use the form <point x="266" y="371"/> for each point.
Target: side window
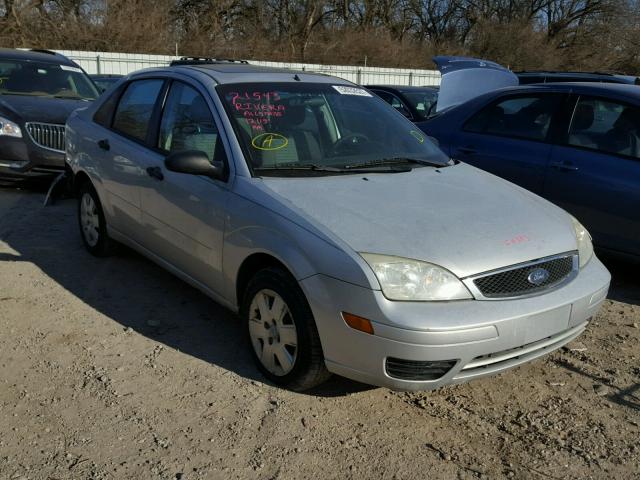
<point x="187" y="123"/>
<point x="527" y="117"/>
<point x="104" y="114"/>
<point x="394" y="101"/>
<point x="136" y="107"/>
<point x="605" y="125"/>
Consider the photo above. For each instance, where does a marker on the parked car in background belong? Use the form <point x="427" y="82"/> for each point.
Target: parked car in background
<point x="529" y="77"/>
<point x="351" y="243"/>
<point x="105" y="81"/>
<point x="576" y="144"/>
<point x="38" y="91"/>
<point x="415" y="103"/>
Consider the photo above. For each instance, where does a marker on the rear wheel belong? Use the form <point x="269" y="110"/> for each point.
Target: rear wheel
<point x="282" y="332"/>
<point x="93" y="227"/>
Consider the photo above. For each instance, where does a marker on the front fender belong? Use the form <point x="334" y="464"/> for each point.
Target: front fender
<point x="256" y="229"/>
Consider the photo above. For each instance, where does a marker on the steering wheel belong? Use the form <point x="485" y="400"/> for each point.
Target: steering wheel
<point x="350" y="141"/>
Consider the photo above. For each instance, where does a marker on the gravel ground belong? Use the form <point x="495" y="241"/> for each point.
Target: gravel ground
<point x="114" y="369"/>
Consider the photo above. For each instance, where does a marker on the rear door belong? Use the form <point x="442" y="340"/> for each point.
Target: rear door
<point x="509" y="137"/>
<point x="594" y="171"/>
<point x="122" y="151"/>
<point x="184" y="215"/>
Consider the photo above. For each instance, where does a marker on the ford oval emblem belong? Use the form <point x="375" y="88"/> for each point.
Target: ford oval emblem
<point x="538" y="276"/>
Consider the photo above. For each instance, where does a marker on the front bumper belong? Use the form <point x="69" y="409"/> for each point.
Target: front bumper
<point x="21" y="159"/>
<point x="482" y="337"/>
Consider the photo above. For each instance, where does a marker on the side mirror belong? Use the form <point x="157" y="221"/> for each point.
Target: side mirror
<point x="194" y="162"/>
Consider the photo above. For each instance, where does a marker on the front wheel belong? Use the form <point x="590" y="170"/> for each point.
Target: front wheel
<point x="282" y="332"/>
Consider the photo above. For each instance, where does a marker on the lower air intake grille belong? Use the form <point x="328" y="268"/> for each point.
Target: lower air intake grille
<point x="417" y="370"/>
<point x="47" y="135"/>
<point x="518" y="280"/>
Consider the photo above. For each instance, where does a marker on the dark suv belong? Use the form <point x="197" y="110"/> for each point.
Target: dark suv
<point x="38" y="91"/>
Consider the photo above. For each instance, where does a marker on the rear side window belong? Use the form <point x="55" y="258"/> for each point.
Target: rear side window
<point x="187" y="123"/>
<point x="527" y="117"/>
<point x="607" y="126"/>
<point x="134" y="111"/>
<point x="104" y="114"/>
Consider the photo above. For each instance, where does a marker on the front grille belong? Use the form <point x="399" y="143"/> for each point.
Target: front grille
<point x="417" y="370"/>
<point x="47" y="135"/>
<point x="515" y="282"/>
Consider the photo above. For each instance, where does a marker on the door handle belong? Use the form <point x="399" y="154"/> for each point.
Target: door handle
<point x="155" y="172"/>
<point x="565" y="166"/>
<point x="467" y="150"/>
<point x="104" y="144"/>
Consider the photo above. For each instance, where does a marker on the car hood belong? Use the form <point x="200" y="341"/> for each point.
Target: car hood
<point x="39" y="109"/>
<point x="458" y="217"/>
<point x="464" y="78"/>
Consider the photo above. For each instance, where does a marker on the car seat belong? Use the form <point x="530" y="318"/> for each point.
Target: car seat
<point x="195" y="130"/>
<point x="302" y="145"/>
<point x="623" y="137"/>
<point x="583" y="118"/>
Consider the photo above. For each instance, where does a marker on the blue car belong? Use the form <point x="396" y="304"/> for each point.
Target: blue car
<point x="576" y="144"/>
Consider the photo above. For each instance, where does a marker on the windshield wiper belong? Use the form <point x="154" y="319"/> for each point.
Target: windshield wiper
<point x="392" y="168"/>
<point x="393" y="161"/>
<point x="312" y="167"/>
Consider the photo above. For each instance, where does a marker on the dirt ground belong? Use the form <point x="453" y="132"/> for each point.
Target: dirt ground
<point x="114" y="369"/>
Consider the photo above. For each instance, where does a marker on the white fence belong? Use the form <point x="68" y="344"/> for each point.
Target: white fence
<point x="124" y="63"/>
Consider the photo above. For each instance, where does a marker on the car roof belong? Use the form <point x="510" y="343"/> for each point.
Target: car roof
<point x="406" y="88"/>
<point x="586" y="87"/>
<point x="44" y="56"/>
<point x="234" y="72"/>
<point x="578" y="77"/>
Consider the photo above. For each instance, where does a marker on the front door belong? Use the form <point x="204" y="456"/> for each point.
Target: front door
<point x="508" y="138"/>
<point x="184" y="215"/>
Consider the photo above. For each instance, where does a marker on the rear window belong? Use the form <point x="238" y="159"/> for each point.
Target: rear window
<point x="134" y="111"/>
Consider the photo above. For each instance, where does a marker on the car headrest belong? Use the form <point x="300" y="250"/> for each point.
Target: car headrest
<point x="199" y="110"/>
<point x="629" y="119"/>
<point x="583" y="117"/>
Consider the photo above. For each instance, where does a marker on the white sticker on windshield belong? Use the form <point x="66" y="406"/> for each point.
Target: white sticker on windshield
<point x="351" y="91"/>
<point x="71" y="69"/>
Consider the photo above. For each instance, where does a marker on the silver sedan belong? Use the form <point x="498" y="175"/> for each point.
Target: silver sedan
<point x="346" y="241"/>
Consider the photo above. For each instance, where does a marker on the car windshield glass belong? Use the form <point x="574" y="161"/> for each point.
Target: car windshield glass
<point x="422" y="101"/>
<point x="290" y="126"/>
<point x="45" y="79"/>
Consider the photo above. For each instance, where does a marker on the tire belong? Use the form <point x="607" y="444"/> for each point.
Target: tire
<point x="93" y="226"/>
<point x="278" y="317"/>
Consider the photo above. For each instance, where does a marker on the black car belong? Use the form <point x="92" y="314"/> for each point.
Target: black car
<point x="105" y="81"/>
<point x="529" y="77"/>
<point x="415" y="103"/>
<point x="38" y="91"/>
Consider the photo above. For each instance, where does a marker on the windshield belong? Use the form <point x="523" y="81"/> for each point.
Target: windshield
<point x="284" y="126"/>
<point x="422" y="101"/>
<point x="18" y="77"/>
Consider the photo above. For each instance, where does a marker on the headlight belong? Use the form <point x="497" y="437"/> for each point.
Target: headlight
<point x="585" y="247"/>
<point x="406" y="279"/>
<point x="8" y="128"/>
